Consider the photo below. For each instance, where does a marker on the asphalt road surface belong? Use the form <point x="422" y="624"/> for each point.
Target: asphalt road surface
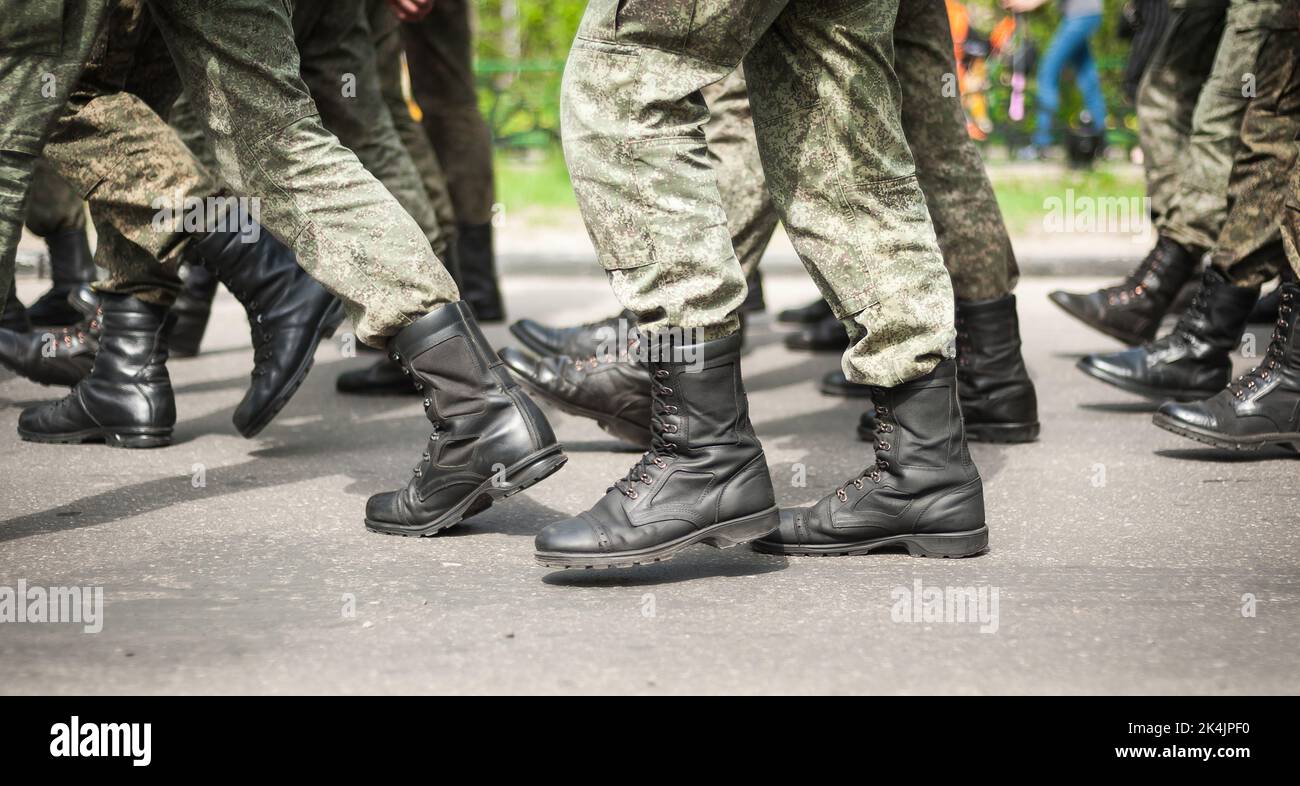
<point x="1123" y="558"/>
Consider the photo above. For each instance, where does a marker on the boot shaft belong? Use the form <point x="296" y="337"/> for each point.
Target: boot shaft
<point x="920" y="438"/>
<point x="132" y="340"/>
<point x="698" y="393"/>
<point x="1217" y="316"/>
<point x="71" y="261"/>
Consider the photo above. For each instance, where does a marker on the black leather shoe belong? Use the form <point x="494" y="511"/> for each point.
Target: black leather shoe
<point x="381" y="378"/>
<point x="825" y="335"/>
<point x="834" y="383"/>
<point x="580" y="341"/>
<point x="1131" y="311"/>
<point x="192" y="309"/>
<point x="478" y="275"/>
<point x="58" y="356"/>
<point x="288" y="311"/>
<point x="704" y="479"/>
<point x="489" y="440"/>
<point x="815" y="311"/>
<point x="127" y="401"/>
<point x="1195" y="360"/>
<point x="612" y="390"/>
<point x="14" y="316"/>
<point x="998" y="401"/>
<point x="754" y="302"/>
<point x="922" y="493"/>
<point x="1259" y="408"/>
<point x="71" y="265"/>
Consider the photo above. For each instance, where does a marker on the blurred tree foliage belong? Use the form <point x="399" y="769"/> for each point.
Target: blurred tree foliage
<point x="522" y="45"/>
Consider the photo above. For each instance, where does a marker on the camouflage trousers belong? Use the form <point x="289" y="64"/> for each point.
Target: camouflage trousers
<point x="1190" y="109"/>
<point x="237" y="61"/>
<point x="825" y="101"/>
<point x="440" y="55"/>
<point x="43" y="49"/>
<point x="1249" y="248"/>
<point x="967" y="219"/>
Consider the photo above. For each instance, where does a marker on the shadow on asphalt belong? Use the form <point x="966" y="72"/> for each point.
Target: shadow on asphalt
<point x="1122" y="407"/>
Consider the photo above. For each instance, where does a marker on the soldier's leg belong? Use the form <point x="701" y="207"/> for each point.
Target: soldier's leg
<point x="242" y="73"/>
<point x="339" y="67"/>
<point x="1169" y="89"/>
<point x="42" y="53"/>
<point x="386" y="34"/>
<point x="57" y="215"/>
<point x="1183" y="115"/>
<point x="1194" y="360"/>
<point x="1196" y="214"/>
<point x="840" y="173"/>
<point x="1261" y="407"/>
<point x="440" y="55"/>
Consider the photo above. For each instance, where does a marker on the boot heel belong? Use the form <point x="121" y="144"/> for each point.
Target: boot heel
<point x="533" y="471"/>
<point x="738" y="531"/>
<point x="957" y="544"/>
<point x="158" y="439"/>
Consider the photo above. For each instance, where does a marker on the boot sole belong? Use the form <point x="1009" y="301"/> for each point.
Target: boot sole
<point x="625" y="430"/>
<point x="524" y="474"/>
<point x="1284" y="439"/>
<point x="723" y="535"/>
<point x="1101" y="327"/>
<point x="114" y="438"/>
<point x="1160" y="395"/>
<point x="952" y="545"/>
<point x="329" y="323"/>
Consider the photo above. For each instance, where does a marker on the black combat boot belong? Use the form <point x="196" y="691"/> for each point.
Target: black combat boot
<point x="1194" y="361"/>
<point x="57" y="356"/>
<point x="192" y="309"/>
<point x="71" y="265"/>
<point x="478" y="275"/>
<point x="1131" y="311"/>
<point x="754" y="302"/>
<point x="580" y="341"/>
<point x="613" y="390"/>
<point x="922" y="493"/>
<point x="288" y="311"/>
<point x="489" y="439"/>
<point x="14" y="316"/>
<point x="126" y="401"/>
<point x="825" y="335"/>
<point x="704" y="479"/>
<point x="1259" y="408"/>
<point x="998" y="402"/>
<point x="815" y="311"/>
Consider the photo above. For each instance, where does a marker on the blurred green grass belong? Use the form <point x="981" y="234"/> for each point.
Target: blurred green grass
<point x="536" y="186"/>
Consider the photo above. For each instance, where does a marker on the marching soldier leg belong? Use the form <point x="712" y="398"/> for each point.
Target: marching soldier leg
<point x="57" y="214"/>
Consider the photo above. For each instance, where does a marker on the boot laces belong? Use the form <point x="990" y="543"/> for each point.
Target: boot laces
<point x="873" y="471"/>
<point x="1262" y="373"/>
<point x="661" y="448"/>
<point x="1135" y="284"/>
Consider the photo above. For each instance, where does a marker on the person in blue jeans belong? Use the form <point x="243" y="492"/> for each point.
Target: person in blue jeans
<point x="1069" y="48"/>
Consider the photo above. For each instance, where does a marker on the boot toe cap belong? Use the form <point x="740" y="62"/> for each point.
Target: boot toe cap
<point x="385" y="507"/>
<point x="570" y="536"/>
<point x="535" y="336"/>
<point x="1192" y="414"/>
<point x="1114" y="364"/>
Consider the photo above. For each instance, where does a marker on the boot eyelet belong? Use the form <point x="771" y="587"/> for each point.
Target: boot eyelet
<point x="661" y="374"/>
<point x="658" y="462"/>
<point x="840" y="493"/>
<point x="427" y="403"/>
<point x="857" y="483"/>
<point x="668" y="391"/>
<point x="671" y="428"/>
<point x="645" y="478"/>
<point x="631" y="494"/>
<point x="670" y="409"/>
